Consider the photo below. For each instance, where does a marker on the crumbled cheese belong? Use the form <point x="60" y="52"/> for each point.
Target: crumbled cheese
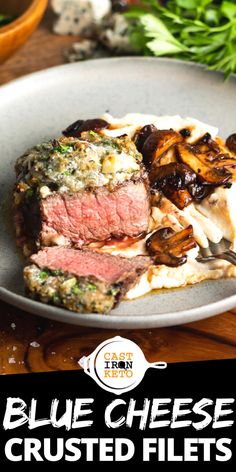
<point x="79" y="16"/>
<point x="115" y="35"/>
<point x="56" y="240"/>
<point x="92" y="19"/>
<point x="119" y="163"/>
<point x="45" y="191"/>
<point x="100" y="8"/>
<point x="82" y="50"/>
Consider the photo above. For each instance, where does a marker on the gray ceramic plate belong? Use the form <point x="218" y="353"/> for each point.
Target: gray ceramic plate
<point x="39" y="106"/>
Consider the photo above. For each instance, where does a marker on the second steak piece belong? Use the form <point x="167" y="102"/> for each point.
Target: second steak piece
<point x="82" y="280"/>
<point x="95" y="215"/>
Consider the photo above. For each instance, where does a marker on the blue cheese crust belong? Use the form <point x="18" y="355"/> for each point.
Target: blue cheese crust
<point x="68" y="164"/>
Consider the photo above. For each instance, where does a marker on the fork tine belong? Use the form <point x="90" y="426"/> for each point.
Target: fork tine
<point x="217" y="248"/>
<point x="205" y="259"/>
<point x="205" y="255"/>
<point x="230" y="256"/>
<point x="221" y="251"/>
<point x="206" y="252"/>
<point x="217" y="251"/>
<point x="226" y="257"/>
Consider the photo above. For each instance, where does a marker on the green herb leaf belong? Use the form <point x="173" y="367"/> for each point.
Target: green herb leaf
<point x="58" y="272"/>
<point x="188" y="4"/>
<point x="91" y="287"/>
<point x="29" y="193"/>
<point x="55" y="298"/>
<point x="198" y="30"/>
<point x="154" y="27"/>
<point x="228" y="9"/>
<point x="212" y="17"/>
<point x="76" y="290"/>
<point x="43" y="275"/>
<point x="92" y="133"/>
<point x="63" y="148"/>
<point x="113" y="291"/>
<point x="163" y="48"/>
<point x="164" y="42"/>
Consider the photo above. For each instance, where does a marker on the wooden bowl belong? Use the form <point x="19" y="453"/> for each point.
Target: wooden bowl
<point x="28" y="14"/>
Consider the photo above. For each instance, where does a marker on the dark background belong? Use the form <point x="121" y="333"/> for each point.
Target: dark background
<point x="187" y="380"/>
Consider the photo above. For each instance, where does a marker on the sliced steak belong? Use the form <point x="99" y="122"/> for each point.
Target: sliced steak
<point x="82" y="280"/>
<point x="95" y="215"/>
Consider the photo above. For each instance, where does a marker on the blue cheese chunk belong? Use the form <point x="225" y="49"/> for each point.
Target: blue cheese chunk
<point x="115" y="35"/>
<point x="79" y="16"/>
<point x="114" y="163"/>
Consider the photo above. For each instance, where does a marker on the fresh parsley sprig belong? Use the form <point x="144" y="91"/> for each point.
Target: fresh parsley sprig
<point x="198" y="30"/>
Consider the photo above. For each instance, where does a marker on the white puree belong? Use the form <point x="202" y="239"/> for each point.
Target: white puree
<point x="213" y="219"/>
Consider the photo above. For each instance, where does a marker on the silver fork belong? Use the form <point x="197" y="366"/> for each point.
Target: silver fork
<point x="219" y="250"/>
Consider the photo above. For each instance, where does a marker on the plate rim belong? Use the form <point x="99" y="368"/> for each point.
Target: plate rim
<point x="118" y="321"/>
<point x="101" y="320"/>
<point x="50" y="70"/>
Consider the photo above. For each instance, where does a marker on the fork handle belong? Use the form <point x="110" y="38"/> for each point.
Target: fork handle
<point x="229" y="256"/>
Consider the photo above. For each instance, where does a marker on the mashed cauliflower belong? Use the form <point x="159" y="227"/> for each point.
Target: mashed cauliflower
<point x="213" y="219"/>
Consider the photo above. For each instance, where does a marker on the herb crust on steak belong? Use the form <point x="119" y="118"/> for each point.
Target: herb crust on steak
<point x="68" y="164"/>
<point x="73" y="191"/>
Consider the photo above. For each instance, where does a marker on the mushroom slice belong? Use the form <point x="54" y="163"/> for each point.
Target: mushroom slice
<point x="200" y="190"/>
<point x="179" y="184"/>
<point x="176" y="175"/>
<point x="231" y="143"/>
<point x="158" y="143"/>
<point x="79" y="126"/>
<point x="141" y="136"/>
<point x="170" y="248"/>
<point x="207" y="144"/>
<point x="181" y="198"/>
<point x="202" y="166"/>
<point x="226" y="162"/>
<point x="173" y="179"/>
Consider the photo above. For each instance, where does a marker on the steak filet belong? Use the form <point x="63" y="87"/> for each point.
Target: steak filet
<point x="85" y="263"/>
<point x="95" y="215"/>
<point x="82" y="280"/>
<point x="73" y="191"/>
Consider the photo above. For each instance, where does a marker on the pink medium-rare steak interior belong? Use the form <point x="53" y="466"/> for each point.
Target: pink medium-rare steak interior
<point x="96" y="215"/>
<point x="86" y="263"/>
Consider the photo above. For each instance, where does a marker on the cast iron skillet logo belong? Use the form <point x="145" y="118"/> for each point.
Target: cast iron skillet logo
<point x="118" y="365"/>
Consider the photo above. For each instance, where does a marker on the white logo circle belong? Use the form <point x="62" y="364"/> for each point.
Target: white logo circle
<point x="118" y="365"/>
